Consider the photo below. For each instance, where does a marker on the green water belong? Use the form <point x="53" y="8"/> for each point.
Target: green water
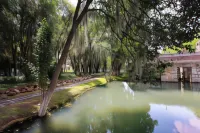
<point x="110" y="109"/>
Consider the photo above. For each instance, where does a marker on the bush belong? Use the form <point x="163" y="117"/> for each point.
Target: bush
<point x="29" y="70"/>
<point x="11" y="80"/>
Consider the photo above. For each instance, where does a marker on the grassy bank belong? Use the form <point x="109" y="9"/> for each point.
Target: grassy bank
<point x="119" y="78"/>
<point x="29" y="108"/>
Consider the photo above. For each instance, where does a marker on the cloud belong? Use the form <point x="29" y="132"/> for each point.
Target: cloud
<point x="192" y="127"/>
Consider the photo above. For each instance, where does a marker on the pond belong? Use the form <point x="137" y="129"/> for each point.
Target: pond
<point x="111" y="109"/>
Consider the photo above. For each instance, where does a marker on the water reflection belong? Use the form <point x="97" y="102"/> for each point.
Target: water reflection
<point x="174" y="119"/>
<point x="114" y="121"/>
<point x="185" y="128"/>
<point x="111" y="110"/>
<point x="181" y="85"/>
<point x="153" y="118"/>
<point x="120" y="121"/>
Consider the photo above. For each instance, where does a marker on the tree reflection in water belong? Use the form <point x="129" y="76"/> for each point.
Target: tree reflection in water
<point x="118" y="121"/>
<point x="113" y="121"/>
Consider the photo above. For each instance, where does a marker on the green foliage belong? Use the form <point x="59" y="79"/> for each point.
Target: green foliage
<point x="161" y="66"/>
<point x="11" y="80"/>
<point x="29" y="70"/>
<point x="43" y="52"/>
<point x="108" y="62"/>
<point x="153" y="71"/>
<point x="190" y="46"/>
<point x="18" y="27"/>
<point x="119" y="32"/>
<point x="150" y="73"/>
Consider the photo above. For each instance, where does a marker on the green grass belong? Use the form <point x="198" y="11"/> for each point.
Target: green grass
<point x="98" y="74"/>
<point x="70" y="71"/>
<point x="17" y="112"/>
<point x="60" y="98"/>
<point x="67" y="76"/>
<point x="6" y="86"/>
<point x="119" y="78"/>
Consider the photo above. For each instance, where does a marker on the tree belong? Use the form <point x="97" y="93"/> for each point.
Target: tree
<point x="128" y="32"/>
<point x="18" y="26"/>
<point x="89" y="52"/>
<point x="148" y="26"/>
<point x="78" y="16"/>
<point x="43" y="54"/>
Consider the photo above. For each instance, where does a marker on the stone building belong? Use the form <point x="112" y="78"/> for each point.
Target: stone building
<point x="186" y="66"/>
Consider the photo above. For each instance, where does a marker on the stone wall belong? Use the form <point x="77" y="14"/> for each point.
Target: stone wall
<point x="170" y="74"/>
<point x="195" y="74"/>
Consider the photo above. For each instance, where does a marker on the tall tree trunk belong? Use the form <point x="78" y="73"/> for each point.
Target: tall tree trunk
<point x="90" y="65"/>
<point x="53" y="83"/>
<point x="76" y="21"/>
<point x="10" y="69"/>
<point x="14" y="52"/>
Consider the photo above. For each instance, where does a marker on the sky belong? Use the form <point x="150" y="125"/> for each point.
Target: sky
<point x="74" y="2"/>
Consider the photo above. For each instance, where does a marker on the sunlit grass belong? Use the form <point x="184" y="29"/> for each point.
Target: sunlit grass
<point x="67" y="76"/>
<point x="61" y="97"/>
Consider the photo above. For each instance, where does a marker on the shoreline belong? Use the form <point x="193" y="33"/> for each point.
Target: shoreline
<point x="59" y="99"/>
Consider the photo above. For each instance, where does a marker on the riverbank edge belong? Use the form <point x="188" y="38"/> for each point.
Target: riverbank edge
<point x="59" y="99"/>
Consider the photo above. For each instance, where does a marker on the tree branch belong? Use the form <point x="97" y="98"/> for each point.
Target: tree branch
<point x="106" y="14"/>
<point x="77" y="10"/>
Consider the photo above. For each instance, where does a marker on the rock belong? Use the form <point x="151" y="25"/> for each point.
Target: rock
<point x="3" y="96"/>
<point x="19" y="88"/>
<point x="30" y="89"/>
<point x="16" y="90"/>
<point x="11" y="93"/>
<point x="10" y="89"/>
<point x="28" y="86"/>
<point x="35" y="89"/>
<point x="35" y="86"/>
<point x="23" y="91"/>
<point x="2" y="91"/>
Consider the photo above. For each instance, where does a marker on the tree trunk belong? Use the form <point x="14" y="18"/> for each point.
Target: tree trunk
<point x="14" y="52"/>
<point x="76" y="21"/>
<point x="53" y="83"/>
<point x="10" y="69"/>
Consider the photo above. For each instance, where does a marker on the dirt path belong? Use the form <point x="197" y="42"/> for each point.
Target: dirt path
<point x="4" y="103"/>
